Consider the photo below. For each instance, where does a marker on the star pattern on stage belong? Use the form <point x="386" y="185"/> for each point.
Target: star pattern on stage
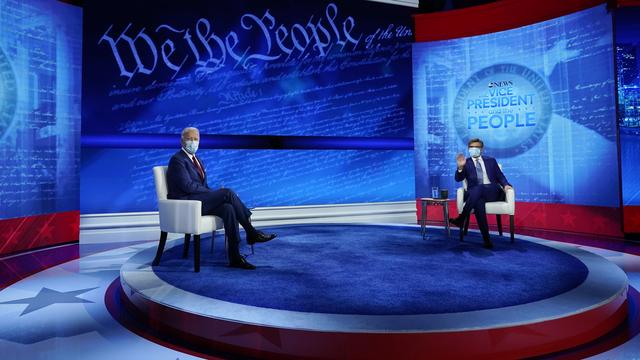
<point x="47" y="297"/>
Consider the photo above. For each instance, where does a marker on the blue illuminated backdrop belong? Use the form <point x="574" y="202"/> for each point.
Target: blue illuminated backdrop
<point x="628" y="51"/>
<point x="540" y="96"/>
<point x="40" y="60"/>
<point x="294" y="72"/>
<point x="628" y="66"/>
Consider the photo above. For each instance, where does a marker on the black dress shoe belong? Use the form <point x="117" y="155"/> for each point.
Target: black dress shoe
<point x="488" y="244"/>
<point x="242" y="263"/>
<point x="459" y="221"/>
<point x="259" y="237"/>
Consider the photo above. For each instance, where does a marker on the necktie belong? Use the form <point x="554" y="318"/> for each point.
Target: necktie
<point x="479" y="172"/>
<point x="197" y="164"/>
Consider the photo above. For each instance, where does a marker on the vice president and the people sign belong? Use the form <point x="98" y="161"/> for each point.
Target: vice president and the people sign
<point x="510" y="101"/>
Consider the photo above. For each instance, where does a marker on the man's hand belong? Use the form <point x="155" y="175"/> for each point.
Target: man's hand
<point x="508" y="187"/>
<point x="460" y="160"/>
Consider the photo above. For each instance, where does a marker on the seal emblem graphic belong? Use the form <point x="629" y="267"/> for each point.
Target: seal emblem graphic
<point x="509" y="103"/>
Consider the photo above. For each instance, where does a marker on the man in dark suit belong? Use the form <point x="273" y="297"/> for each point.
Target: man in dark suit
<point x="485" y="183"/>
<point x="187" y="179"/>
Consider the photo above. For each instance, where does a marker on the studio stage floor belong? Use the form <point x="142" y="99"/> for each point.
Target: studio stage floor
<point x="78" y="307"/>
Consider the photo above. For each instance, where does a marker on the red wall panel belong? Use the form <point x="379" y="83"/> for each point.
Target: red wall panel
<point x="21" y="234"/>
<point x="597" y="220"/>
<point x="493" y="17"/>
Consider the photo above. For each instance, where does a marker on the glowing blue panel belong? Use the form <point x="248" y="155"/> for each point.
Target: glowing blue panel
<point x="319" y="68"/>
<point x="627" y="56"/>
<point x="334" y="76"/>
<point x="541" y="98"/>
<point x="40" y="59"/>
<point x="121" y="180"/>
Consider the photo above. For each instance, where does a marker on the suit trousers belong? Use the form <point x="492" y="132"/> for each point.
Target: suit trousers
<point x="475" y="199"/>
<point x="228" y="206"/>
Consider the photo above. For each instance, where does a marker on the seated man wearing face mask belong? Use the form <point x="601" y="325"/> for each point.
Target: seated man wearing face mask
<point x="485" y="183"/>
<point x="187" y="180"/>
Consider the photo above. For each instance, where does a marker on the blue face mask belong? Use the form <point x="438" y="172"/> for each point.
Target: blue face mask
<point x="191" y="146"/>
<point x="474" y="152"/>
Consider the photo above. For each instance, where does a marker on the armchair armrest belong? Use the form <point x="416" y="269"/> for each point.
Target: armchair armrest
<point x="510" y="198"/>
<point x="180" y="216"/>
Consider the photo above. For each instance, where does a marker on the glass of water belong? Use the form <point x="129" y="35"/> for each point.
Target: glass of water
<point x="434" y="192"/>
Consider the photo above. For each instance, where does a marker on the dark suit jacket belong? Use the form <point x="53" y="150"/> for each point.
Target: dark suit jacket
<point x="493" y="172"/>
<point x="183" y="178"/>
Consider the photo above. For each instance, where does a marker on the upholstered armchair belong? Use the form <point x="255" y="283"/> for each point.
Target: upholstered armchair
<point x="182" y="217"/>
<point x="498" y="208"/>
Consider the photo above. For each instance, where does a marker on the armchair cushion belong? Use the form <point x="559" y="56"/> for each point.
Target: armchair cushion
<point x="506" y="207"/>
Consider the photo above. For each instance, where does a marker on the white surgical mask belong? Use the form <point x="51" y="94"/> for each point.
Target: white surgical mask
<point x="474" y="152"/>
<point x="191" y="146"/>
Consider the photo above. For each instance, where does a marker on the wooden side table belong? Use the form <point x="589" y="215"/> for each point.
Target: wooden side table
<point x="423" y="216"/>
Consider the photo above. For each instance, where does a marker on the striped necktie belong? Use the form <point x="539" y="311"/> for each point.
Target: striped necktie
<point x="479" y="172"/>
<point x="197" y="164"/>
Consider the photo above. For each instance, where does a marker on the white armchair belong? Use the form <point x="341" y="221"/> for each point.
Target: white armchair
<point x="498" y="208"/>
<point x="183" y="217"/>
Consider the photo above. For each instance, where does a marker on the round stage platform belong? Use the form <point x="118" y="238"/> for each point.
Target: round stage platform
<point x="368" y="291"/>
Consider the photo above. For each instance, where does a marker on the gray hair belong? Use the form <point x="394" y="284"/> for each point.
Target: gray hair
<point x="188" y="129"/>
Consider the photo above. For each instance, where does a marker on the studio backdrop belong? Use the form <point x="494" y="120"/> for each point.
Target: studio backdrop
<point x="542" y="98"/>
<point x="280" y="71"/>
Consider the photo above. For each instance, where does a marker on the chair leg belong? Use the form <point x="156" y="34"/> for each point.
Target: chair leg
<point x="511" y="226"/>
<point x="196" y="253"/>
<point x="163" y="241"/>
<point x="445" y="214"/>
<point x="213" y="237"/>
<point x="185" y="248"/>
<point x="499" y="223"/>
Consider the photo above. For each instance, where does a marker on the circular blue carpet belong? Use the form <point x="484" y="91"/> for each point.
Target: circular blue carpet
<point x="377" y="270"/>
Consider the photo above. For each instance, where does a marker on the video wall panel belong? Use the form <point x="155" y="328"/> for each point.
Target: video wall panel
<point x="40" y="70"/>
<point x="247" y="67"/>
<point x="261" y="177"/>
<point x="627" y="57"/>
<point x="541" y="97"/>
<point x="273" y="68"/>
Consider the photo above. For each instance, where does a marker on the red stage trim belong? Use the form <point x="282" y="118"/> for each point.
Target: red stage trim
<point x="38" y="231"/>
<point x="518" y="341"/>
<point x="493" y="17"/>
<point x="631" y="216"/>
<point x="599" y="220"/>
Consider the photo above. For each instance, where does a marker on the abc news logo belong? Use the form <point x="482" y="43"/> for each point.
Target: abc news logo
<point x="494" y="84"/>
